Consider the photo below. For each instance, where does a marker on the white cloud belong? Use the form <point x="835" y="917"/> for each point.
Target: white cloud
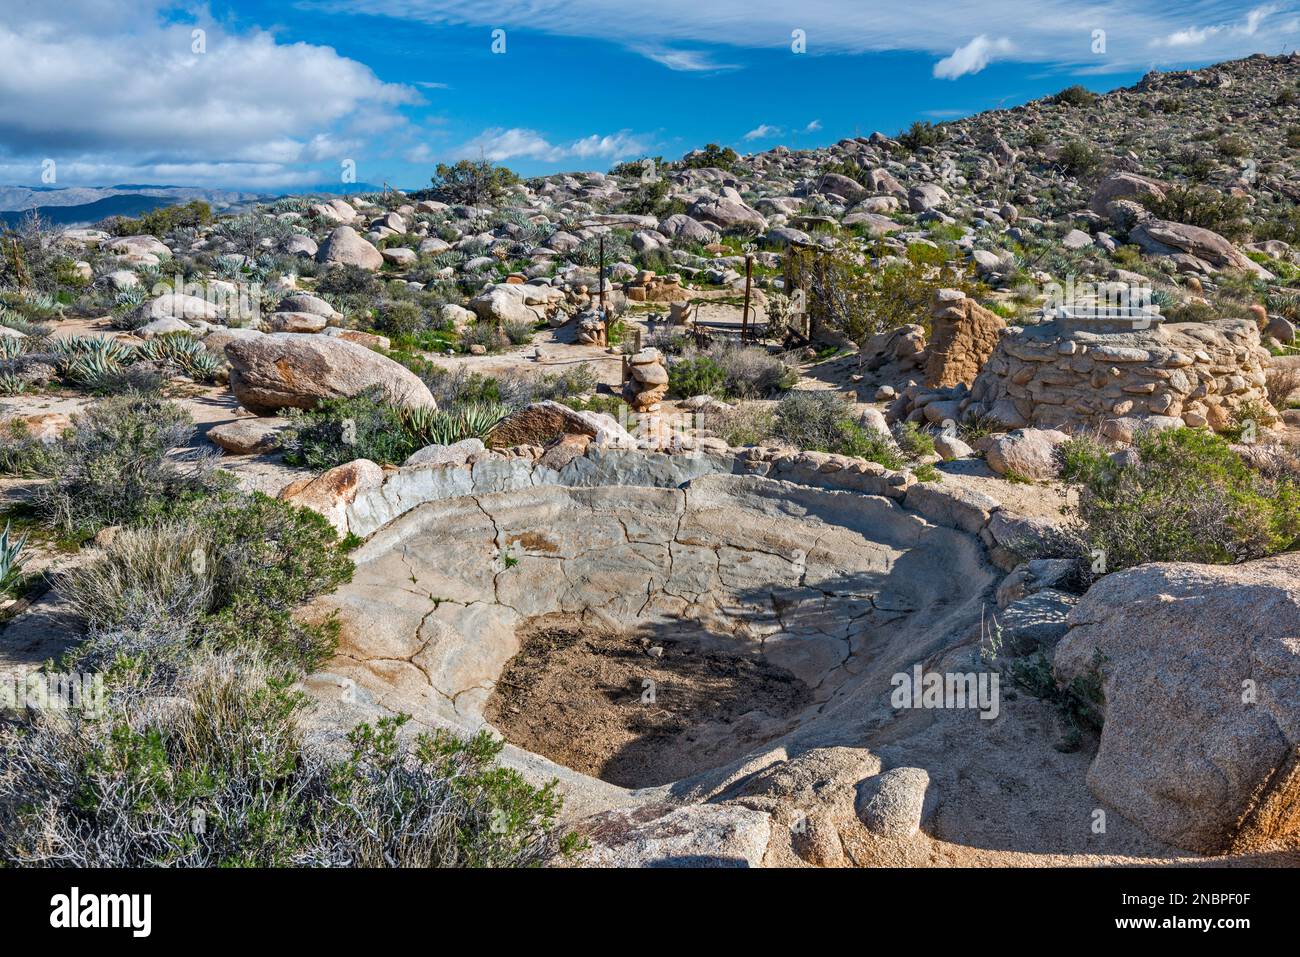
<point x="431" y="85"/>
<point x="1055" y="32"/>
<point x="111" y="78"/>
<point x="1195" y="36"/>
<point x="689" y="61"/>
<point x="763" y="132"/>
<point x="972" y="57"/>
<point x="499" y="144"/>
<point x="813" y="126"/>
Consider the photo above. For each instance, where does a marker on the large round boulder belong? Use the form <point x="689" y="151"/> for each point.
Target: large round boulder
<point x="1199" y="672"/>
<point x="290" y="370"/>
<point x="345" y="247"/>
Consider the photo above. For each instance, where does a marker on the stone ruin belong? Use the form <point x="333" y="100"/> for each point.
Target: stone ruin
<point x="1109" y="371"/>
<point x="1062" y="375"/>
<point x="647" y="287"/>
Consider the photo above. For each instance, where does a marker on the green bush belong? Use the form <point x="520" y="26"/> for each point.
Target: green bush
<point x="698" y="375"/>
<point x="160" y="222"/>
<point x="471" y="182"/>
<point x="114" y="468"/>
<point x="1205" y="207"/>
<point x="712" y="156"/>
<point x="1075" y="96"/>
<point x="23" y="454"/>
<point x="225" y="777"/>
<point x="921" y="134"/>
<point x="824" y="422"/>
<point x="401" y="317"/>
<point x="1189" y="497"/>
<point x="1078" y="158"/>
<point x="364" y="426"/>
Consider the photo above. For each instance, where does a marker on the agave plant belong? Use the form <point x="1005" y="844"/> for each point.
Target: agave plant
<point x="92" y="370"/>
<point x="13" y="320"/>
<point x="11" y="347"/>
<point x="11" y="384"/>
<point x="11" y="560"/>
<point x="471" y="421"/>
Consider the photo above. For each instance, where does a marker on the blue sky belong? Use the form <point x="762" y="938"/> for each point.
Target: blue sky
<point x="282" y="96"/>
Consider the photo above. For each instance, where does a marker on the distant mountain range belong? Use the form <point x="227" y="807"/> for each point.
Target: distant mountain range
<point x="82" y="205"/>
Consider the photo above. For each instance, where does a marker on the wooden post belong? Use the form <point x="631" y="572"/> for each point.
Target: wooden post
<point x="638" y="340"/>
<point x="749" y="281"/>
<point x="600" y="277"/>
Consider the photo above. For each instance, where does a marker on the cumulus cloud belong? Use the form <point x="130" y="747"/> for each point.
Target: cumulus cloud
<point x="199" y="105"/>
<point x="972" y="57"/>
<point x="498" y="144"/>
<point x="813" y="126"/>
<point x="762" y="132"/>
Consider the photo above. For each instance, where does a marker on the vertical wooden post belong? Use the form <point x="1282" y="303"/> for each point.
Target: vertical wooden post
<point x="600" y="277"/>
<point x="749" y="282"/>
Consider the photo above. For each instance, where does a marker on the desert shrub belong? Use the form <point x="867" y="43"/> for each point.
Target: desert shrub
<point x="913" y="442"/>
<point x="696" y="375"/>
<point x="118" y="465"/>
<point x="471" y="182"/>
<point x="1282" y="383"/>
<point x="23" y="454"/>
<point x="921" y="134"/>
<point x="751" y="372"/>
<point x="400" y="317"/>
<point x="1233" y="147"/>
<point x="845" y="293"/>
<point x="348" y="280"/>
<point x="224" y="776"/>
<point x="824" y="422"/>
<point x="489" y="335"/>
<point x="518" y="332"/>
<point x="364" y="426"/>
<point x="1188" y="497"/>
<point x="746" y="424"/>
<point x="1075" y="96"/>
<point x="1078" y="158"/>
<point x="160" y="222"/>
<point x="1206" y="207"/>
<point x="225" y="571"/>
<point x="712" y="156"/>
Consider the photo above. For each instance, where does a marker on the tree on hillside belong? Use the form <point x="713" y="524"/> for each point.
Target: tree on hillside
<point x="472" y="182"/>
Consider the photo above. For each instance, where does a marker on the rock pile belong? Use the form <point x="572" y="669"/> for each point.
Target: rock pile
<point x="647" y="381"/>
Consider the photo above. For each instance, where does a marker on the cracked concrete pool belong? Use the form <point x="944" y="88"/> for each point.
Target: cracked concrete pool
<point x="748" y="582"/>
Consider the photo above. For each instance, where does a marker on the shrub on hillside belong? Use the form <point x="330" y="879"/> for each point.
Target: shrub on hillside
<point x="1188" y="497"/>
